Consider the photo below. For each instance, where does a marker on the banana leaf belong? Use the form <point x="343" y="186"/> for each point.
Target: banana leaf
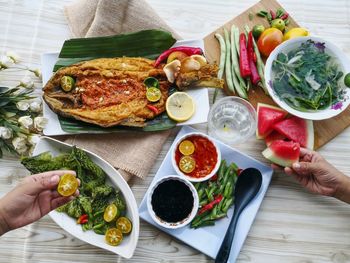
<point x="160" y="123"/>
<point x="146" y="43"/>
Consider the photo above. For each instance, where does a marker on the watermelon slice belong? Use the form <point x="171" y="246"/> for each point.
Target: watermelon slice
<point x="298" y="130"/>
<point x="274" y="136"/>
<point x="282" y="153"/>
<point x="268" y="115"/>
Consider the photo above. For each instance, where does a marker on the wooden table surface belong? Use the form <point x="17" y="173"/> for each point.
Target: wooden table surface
<point x="292" y="225"/>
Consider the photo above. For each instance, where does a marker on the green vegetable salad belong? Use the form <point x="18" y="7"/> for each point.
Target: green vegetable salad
<point x="95" y="194"/>
<point x="307" y="78"/>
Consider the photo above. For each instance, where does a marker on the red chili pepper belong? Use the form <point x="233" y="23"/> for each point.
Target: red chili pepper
<point x="187" y="50"/>
<point x="211" y="205"/>
<point x="243" y="58"/>
<point x="83" y="219"/>
<point x="214" y="178"/>
<point x="255" y="78"/>
<point x="153" y="108"/>
<point x="273" y="15"/>
<point x="285" y="16"/>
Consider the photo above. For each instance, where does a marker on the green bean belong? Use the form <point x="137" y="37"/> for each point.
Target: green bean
<point x="227" y="175"/>
<point x="227" y="205"/>
<point x="241" y="89"/>
<point x="222" y="169"/>
<point x="207" y="223"/>
<point x="231" y="81"/>
<point x="227" y="189"/>
<point x="197" y="186"/>
<point x="220" y="204"/>
<point x="234" y="167"/>
<point x="222" y="61"/>
<point x="221" y="188"/>
<point x="203" y="202"/>
<point x="236" y="38"/>
<point x="200" y="193"/>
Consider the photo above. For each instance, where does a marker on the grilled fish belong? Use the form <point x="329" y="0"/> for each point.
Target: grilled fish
<point x="108" y="92"/>
<point x="111" y="91"/>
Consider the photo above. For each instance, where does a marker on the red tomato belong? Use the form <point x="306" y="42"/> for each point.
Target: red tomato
<point x="269" y="40"/>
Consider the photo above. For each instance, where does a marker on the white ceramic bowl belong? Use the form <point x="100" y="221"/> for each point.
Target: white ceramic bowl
<point x="331" y="49"/>
<point x="127" y="247"/>
<point x="185" y="221"/>
<point x="193" y="179"/>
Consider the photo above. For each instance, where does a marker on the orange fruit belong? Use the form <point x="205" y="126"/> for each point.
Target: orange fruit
<point x="269" y="40"/>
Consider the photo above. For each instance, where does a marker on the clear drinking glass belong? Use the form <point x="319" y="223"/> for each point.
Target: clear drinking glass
<point x="232" y="120"/>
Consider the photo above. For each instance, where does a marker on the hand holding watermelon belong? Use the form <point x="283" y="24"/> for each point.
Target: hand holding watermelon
<point x="318" y="176"/>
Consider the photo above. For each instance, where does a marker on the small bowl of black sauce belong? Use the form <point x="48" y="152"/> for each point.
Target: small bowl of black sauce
<point x="172" y="202"/>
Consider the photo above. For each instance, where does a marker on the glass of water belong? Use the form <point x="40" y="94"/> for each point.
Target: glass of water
<point x="232" y="120"/>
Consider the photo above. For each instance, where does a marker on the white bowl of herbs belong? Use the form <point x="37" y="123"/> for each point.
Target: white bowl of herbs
<point x="305" y="76"/>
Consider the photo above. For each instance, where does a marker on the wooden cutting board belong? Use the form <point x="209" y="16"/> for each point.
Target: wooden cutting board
<point x="325" y="130"/>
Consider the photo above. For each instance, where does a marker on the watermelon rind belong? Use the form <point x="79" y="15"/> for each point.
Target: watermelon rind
<point x="262" y="136"/>
<point x="270" y="155"/>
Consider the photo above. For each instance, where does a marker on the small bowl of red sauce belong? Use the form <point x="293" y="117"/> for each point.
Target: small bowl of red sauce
<point x="196" y="157"/>
<point x="172" y="202"/>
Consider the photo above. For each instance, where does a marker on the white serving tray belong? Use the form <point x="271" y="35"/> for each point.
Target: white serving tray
<point x="208" y="239"/>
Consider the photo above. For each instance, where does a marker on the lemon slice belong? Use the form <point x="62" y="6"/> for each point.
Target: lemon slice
<point x="186" y="147"/>
<point x="153" y="94"/>
<point x="180" y="106"/>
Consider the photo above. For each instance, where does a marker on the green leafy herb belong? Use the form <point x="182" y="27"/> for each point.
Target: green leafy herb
<point x="307" y="78"/>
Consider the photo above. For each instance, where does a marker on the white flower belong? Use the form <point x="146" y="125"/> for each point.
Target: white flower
<point x="35" y="105"/>
<point x="20" y="144"/>
<point x="26" y="82"/>
<point x="36" y="72"/>
<point x="5" y="62"/>
<point x="5" y="133"/>
<point x="40" y="123"/>
<point x="25" y="121"/>
<point x="33" y="139"/>
<point x="13" y="56"/>
<point x="22" y="105"/>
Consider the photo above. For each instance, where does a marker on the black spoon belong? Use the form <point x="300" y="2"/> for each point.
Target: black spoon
<point x="247" y="186"/>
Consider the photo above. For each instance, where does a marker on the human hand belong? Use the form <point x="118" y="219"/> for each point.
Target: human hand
<point x="31" y="199"/>
<point x="318" y="176"/>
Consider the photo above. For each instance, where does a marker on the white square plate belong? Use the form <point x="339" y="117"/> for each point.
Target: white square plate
<point x="200" y="95"/>
<point x="127" y="247"/>
<point x="208" y="239"/>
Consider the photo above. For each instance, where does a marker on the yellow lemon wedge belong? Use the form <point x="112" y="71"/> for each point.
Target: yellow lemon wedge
<point x="180" y="106"/>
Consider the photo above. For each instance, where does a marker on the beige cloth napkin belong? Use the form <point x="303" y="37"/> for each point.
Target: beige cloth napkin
<point x="132" y="153"/>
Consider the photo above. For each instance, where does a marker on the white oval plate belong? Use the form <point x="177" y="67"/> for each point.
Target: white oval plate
<point x="127" y="247"/>
<point x="331" y="49"/>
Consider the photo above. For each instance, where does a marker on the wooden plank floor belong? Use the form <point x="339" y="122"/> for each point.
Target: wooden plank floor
<point x="292" y="224"/>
